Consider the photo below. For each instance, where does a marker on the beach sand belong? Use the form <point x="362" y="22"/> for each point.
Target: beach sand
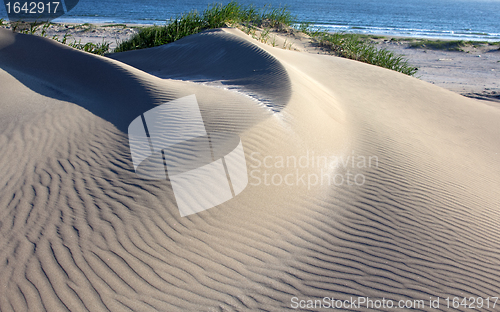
<point x="473" y="72"/>
<point x="80" y="231"/>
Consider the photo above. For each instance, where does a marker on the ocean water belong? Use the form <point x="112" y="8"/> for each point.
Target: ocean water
<point x="446" y="19"/>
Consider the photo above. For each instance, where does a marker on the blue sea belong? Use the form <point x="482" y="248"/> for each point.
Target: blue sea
<point x="446" y="19"/>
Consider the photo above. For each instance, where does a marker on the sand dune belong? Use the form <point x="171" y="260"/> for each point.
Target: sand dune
<point x="80" y="231"/>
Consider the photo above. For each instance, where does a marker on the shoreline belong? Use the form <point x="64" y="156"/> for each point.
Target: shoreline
<point x="456" y="34"/>
<point x="419" y="35"/>
<point x="473" y="72"/>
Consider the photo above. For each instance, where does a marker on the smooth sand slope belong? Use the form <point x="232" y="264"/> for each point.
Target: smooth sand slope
<point x="79" y="230"/>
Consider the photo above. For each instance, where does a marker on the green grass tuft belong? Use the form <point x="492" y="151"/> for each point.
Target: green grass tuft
<point x="357" y="47"/>
<point x="345" y="45"/>
<point x="215" y="16"/>
<point x="94" y="48"/>
<point x="362" y="36"/>
<point x="31" y="29"/>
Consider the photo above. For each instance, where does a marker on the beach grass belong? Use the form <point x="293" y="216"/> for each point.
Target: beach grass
<point x="41" y="30"/>
<point x="215" y="16"/>
<point x="363" y="36"/>
<point x="352" y="46"/>
<point x="94" y="48"/>
<point x="357" y="47"/>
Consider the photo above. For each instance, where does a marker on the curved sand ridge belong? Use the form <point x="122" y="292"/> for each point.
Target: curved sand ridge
<point x="216" y="57"/>
<point x="80" y="231"/>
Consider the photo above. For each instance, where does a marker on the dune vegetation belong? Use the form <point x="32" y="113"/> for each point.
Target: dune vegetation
<point x="358" y="47"/>
<point x="233" y="14"/>
<point x="215" y="16"/>
<point x="344" y="45"/>
<point x="40" y="29"/>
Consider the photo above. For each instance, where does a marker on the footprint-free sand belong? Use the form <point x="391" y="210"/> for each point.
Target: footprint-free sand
<point x="363" y="182"/>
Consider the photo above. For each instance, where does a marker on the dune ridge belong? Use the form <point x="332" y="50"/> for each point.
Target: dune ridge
<point x="80" y="231"/>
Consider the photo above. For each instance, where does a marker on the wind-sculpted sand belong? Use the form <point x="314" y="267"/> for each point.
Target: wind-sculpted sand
<point x="416" y="214"/>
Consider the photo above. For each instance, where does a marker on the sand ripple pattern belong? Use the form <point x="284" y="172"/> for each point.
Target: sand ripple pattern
<point x="217" y="57"/>
<point x="79" y="231"/>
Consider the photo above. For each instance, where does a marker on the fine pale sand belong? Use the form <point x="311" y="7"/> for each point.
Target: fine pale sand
<point x="80" y="231"/>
